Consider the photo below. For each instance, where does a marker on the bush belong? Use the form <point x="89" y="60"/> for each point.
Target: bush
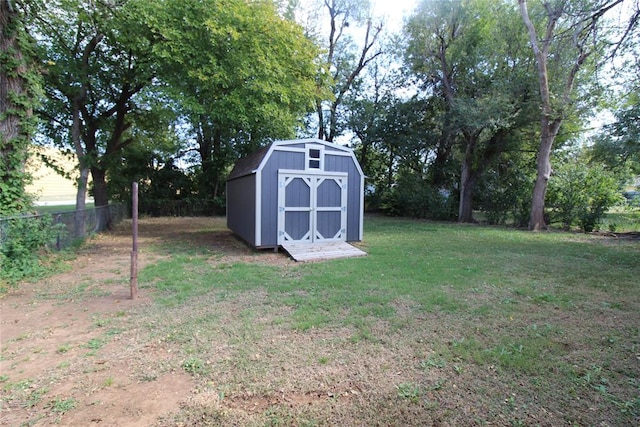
<point x="22" y="243"/>
<point x="415" y="197"/>
<point x="580" y="194"/>
<point x="504" y="194"/>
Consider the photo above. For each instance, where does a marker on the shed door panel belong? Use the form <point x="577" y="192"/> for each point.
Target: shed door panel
<point x="311" y="207"/>
<point x="331" y="198"/>
<point x="298" y="192"/>
<point x="297" y="225"/>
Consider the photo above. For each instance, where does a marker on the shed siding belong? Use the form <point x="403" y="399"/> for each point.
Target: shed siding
<point x="241" y="207"/>
<point x="252" y="193"/>
<point x="277" y="160"/>
<point x="346" y="164"/>
<point x="301" y="146"/>
<point x="334" y="149"/>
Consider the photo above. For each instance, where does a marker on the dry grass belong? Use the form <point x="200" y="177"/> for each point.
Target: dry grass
<point x="439" y="325"/>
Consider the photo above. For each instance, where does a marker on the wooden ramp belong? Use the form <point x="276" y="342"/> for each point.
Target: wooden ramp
<point x="321" y="250"/>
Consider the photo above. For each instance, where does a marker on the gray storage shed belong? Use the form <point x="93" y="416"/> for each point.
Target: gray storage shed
<point x="303" y="190"/>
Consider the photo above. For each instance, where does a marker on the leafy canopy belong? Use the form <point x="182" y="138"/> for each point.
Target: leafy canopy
<point x="238" y="63"/>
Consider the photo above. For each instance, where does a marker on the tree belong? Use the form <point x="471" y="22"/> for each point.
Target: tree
<point x="345" y="59"/>
<point x="367" y="110"/>
<point x="618" y="144"/>
<point x="504" y="190"/>
<point x="96" y="61"/>
<point x="151" y="161"/>
<point x="468" y="55"/>
<point x="572" y="36"/>
<point x="241" y="74"/>
<point x="19" y="90"/>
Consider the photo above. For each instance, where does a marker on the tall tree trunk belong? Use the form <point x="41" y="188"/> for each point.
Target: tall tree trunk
<point x="101" y="198"/>
<point x="552" y="117"/>
<point x="79" y="220"/>
<point x="14" y="138"/>
<point x="390" y="163"/>
<point x="467" y="183"/>
<point x="333" y="121"/>
<point x="11" y="83"/>
<point x="547" y="136"/>
<point x="465" y="206"/>
<point x="321" y="132"/>
<point x="537" y="222"/>
<point x="80" y="229"/>
<point x="465" y="209"/>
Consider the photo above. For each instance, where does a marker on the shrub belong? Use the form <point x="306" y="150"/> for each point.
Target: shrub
<point x="22" y="242"/>
<point x="414" y="197"/>
<point x="504" y="194"/>
<point x="580" y="194"/>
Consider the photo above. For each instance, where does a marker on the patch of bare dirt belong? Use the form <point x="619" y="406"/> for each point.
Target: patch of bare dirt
<point x="628" y="235"/>
<point x="64" y="363"/>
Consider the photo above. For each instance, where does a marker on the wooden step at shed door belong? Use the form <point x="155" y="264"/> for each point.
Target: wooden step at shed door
<point x="319" y="251"/>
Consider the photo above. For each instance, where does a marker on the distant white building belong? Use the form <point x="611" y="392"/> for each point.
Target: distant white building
<point x="48" y="186"/>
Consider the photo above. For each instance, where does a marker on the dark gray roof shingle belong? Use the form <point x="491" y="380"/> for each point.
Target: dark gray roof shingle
<point x="248" y="164"/>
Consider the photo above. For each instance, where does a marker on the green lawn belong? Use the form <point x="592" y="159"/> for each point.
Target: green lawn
<point x="622" y="220"/>
<point x="53" y="209"/>
<point x="440" y="323"/>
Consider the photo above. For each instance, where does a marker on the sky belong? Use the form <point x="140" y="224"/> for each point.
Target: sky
<point x="394" y="10"/>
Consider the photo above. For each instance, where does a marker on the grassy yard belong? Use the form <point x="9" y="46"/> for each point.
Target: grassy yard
<point x="54" y="209"/>
<point x="441" y="324"/>
<point x="622" y="220"/>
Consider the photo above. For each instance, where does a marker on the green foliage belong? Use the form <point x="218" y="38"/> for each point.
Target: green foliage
<point x="618" y="145"/>
<point x="21" y="83"/>
<point x="22" y="242"/>
<point x="504" y="192"/>
<point x="410" y="392"/>
<point x="158" y="179"/>
<point x="580" y="194"/>
<point x="13" y="197"/>
<point x="194" y="365"/>
<point x="414" y="197"/>
<point x="96" y="61"/>
<point x="239" y="74"/>
<point x="60" y="405"/>
<point x="150" y="161"/>
<point x="478" y="115"/>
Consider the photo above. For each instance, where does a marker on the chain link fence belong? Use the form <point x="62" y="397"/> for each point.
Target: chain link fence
<point x="199" y="207"/>
<point x="69" y="226"/>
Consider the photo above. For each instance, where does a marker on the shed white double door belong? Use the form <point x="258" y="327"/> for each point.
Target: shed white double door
<point x="312" y="207"/>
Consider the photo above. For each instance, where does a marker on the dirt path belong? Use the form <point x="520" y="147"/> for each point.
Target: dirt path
<point x="66" y="357"/>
